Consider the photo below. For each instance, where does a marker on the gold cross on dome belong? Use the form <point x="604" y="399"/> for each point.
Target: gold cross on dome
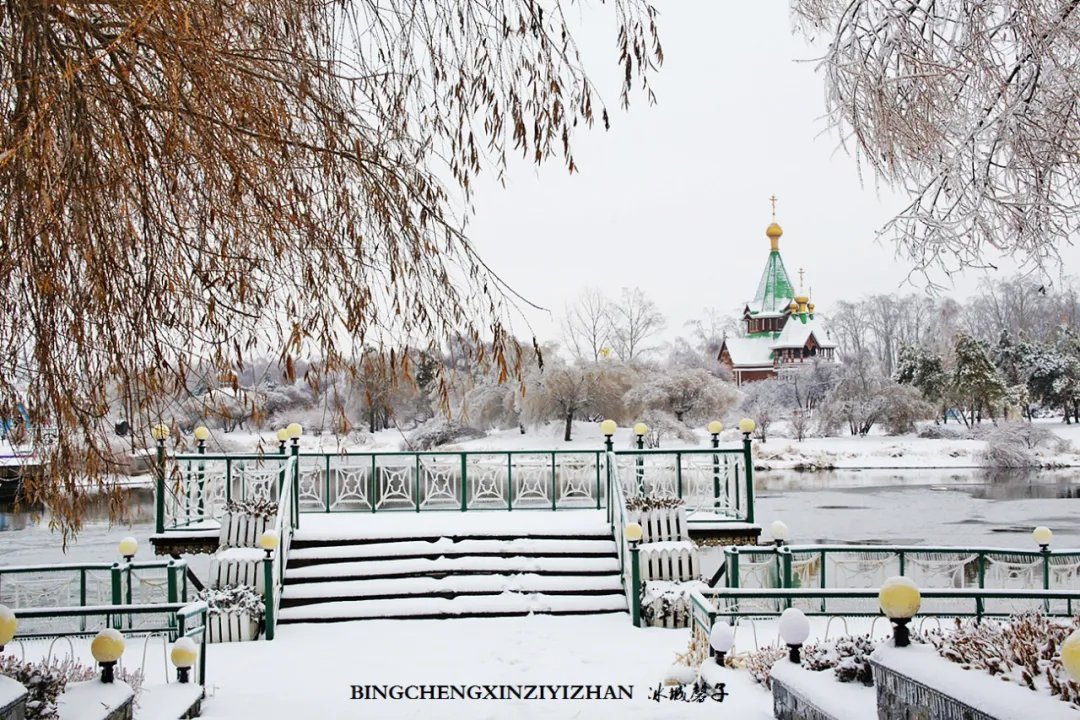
<point x="800" y="277"/>
<point x="773" y="201"/>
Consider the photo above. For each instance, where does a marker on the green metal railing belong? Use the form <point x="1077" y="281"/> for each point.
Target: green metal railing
<point x="174" y="620"/>
<point x="25" y="587"/>
<point x="852" y="566"/>
<point x="629" y="560"/>
<point x="734" y="603"/>
<point x="274" y="563"/>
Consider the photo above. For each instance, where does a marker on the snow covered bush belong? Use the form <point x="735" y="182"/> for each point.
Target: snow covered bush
<point x="938" y="432"/>
<point x="663" y="427"/>
<point x="1025" y="650"/>
<point x="689" y="395"/>
<point x="240" y="599"/>
<point x="639" y="503"/>
<point x="1012" y="445"/>
<point x="438" y="432"/>
<point x="667" y="604"/>
<point x="45" y="681"/>
<point x="254" y="508"/>
<point x="848" y="657"/>
<point x="759" y="663"/>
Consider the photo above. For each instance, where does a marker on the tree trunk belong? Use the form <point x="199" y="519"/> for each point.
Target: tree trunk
<point x="569" y="425"/>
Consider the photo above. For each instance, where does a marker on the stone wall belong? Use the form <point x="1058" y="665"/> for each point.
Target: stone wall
<point x="902" y="698"/>
<point x="790" y="705"/>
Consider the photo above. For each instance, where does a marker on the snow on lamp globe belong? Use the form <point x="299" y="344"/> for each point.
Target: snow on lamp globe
<point x="900" y="599"/>
<point x="1043" y="536"/>
<point x="107" y="648"/>
<point x="779" y="532"/>
<point x="183" y="655"/>
<point x="128" y="547"/>
<point x="794" y="629"/>
<point x="721" y="638"/>
<point x="8" y="625"/>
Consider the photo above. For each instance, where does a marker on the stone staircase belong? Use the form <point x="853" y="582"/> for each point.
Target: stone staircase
<point x="457" y="574"/>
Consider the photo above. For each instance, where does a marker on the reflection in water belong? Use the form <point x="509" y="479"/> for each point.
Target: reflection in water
<point x="138" y="502"/>
<point x="997" y="484"/>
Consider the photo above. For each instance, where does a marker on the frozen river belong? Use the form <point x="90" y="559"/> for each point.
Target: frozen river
<point x="938" y="507"/>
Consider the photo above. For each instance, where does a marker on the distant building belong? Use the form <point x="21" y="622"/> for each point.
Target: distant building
<point x="781" y="330"/>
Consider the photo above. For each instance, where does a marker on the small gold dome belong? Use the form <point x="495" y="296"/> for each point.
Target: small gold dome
<point x="794" y="307"/>
<point x="810" y="307"/>
<point x="774" y="231"/>
<point x="802" y="299"/>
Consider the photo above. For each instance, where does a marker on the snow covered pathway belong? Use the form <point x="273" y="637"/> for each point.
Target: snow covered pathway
<point x="307" y="671"/>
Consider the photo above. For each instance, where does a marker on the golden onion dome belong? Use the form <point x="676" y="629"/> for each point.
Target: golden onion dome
<point x="773" y="231"/>
<point x="794" y="307"/>
<point x="802" y="299"/>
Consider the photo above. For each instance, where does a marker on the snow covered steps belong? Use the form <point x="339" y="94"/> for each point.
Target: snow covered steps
<point x="446" y="577"/>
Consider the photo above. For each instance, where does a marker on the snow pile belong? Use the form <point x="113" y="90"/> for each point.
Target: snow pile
<point x="437" y="433"/>
<point x="47" y="681"/>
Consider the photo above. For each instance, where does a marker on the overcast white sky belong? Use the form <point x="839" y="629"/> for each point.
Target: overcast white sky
<point x="674" y="198"/>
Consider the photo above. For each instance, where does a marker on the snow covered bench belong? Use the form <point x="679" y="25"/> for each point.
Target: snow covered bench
<point x="239" y="559"/>
<point x="666" y="551"/>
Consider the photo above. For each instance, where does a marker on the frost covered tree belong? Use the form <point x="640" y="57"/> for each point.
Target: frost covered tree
<point x="565" y="393"/>
<point x="966" y="106"/>
<point x="765" y="402"/>
<point x="866" y="396"/>
<point x="492" y="405"/>
<point x="587" y="326"/>
<point x="189" y="183"/>
<point x="635" y="321"/>
<point x="975" y="380"/>
<point x="923" y="369"/>
<point x="687" y="394"/>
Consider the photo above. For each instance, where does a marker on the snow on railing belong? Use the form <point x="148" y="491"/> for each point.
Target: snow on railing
<point x="284" y="526"/>
<point x="619" y="518"/>
<point x="196" y="494"/>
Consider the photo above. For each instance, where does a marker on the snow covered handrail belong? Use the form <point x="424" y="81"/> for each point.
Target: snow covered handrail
<point x="860" y="566"/>
<point x="195" y="495"/>
<point x="717" y="481"/>
<point x="91" y="584"/>
<point x="619" y="517"/>
<point x="284" y="526"/>
<point x="863" y="602"/>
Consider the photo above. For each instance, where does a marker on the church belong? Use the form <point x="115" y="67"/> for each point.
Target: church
<point x="782" y="333"/>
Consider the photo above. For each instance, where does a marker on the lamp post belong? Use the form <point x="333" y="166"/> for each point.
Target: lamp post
<point x="747" y="426"/>
<point x="268" y="541"/>
<point x="183" y="655"/>
<point x="294" y="431"/>
<point x="900" y="600"/>
<point x="1042" y="536"/>
<point x="779" y="532"/>
<point x="715" y="428"/>
<point x="107" y="648"/>
<point x="633" y="534"/>
<point x="641" y="429"/>
<point x="160" y="433"/>
<point x="794" y="629"/>
<point x="201" y="436"/>
<point x="8" y="625"/>
<point x="128" y="547"/>
<point x="721" y="638"/>
<point x="283" y="440"/>
<point x="608" y="427"/>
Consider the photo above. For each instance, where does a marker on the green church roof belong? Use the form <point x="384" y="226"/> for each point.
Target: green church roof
<point x="774" y="293"/>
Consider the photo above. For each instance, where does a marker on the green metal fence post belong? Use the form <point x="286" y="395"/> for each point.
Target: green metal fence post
<point x="326" y="486"/>
<point x="822" y="575"/>
<point x="785" y="563"/>
<point x="296" y="483"/>
<point x="202" y="478"/>
<point x="554" y="482"/>
<point x="749" y="478"/>
<point x="268" y="594"/>
<point x="509" y="481"/>
<point x="374" y="483"/>
<point x="733" y="567"/>
<point x="159" y="500"/>
<point x="117" y="593"/>
<point x="902" y="565"/>
<point x="982" y="570"/>
<point x="417" y="470"/>
<point x="635" y="585"/>
<point x="716" y="473"/>
<point x="170" y="586"/>
<point x="464" y="483"/>
<point x="678" y="474"/>
<point x="82" y="596"/>
<point x="598" y="481"/>
<point x="1046" y="578"/>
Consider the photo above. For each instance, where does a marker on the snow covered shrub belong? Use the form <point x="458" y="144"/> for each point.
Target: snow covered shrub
<point x="759" y="664"/>
<point x="666" y="604"/>
<point x="1013" y="445"/>
<point x="663" y="426"/>
<point x="1024" y="650"/>
<point x="240" y="599"/>
<point x="848" y="657"/>
<point x="440" y="431"/>
<point x="642" y="504"/>
<point x="45" y="681"/>
<point x="254" y="508"/>
<point x="938" y="432"/>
